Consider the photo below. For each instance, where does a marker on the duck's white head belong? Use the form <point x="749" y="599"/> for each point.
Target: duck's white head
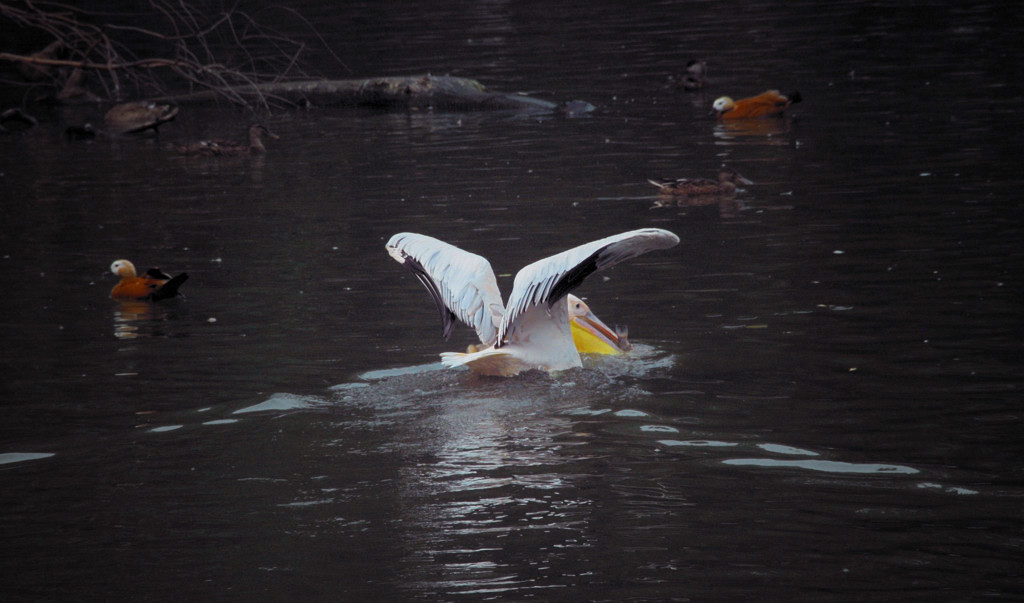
<point x="723" y="103"/>
<point x="123" y="268"/>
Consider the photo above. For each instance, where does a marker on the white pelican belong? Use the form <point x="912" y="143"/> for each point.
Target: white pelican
<point x="589" y="333"/>
<point x="533" y="330"/>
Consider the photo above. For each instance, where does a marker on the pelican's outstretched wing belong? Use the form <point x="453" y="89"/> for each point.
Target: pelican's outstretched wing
<point x="461" y="284"/>
<point x="549" y="280"/>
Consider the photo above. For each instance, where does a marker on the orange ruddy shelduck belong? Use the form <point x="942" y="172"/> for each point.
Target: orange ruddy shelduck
<point x="152" y="286"/>
<point x="766" y="104"/>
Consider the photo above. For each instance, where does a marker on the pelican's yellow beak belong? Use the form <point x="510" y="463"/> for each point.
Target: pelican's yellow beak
<point x="592" y="336"/>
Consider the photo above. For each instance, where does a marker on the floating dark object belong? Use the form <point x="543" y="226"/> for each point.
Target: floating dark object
<point x="83" y="132"/>
<point x="441" y="93"/>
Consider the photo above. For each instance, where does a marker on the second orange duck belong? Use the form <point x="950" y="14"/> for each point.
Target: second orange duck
<point x="766" y="104"/>
<point x="153" y="286"/>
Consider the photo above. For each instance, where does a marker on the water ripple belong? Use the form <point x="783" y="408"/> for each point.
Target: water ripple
<point x="826" y="466"/>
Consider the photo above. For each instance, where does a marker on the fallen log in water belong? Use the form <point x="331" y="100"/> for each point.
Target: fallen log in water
<point x="445" y="93"/>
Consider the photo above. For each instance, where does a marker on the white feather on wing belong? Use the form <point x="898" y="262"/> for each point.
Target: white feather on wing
<point x="459" y="281"/>
<point x="552" y="278"/>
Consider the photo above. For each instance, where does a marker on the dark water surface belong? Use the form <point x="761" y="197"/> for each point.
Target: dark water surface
<point x="823" y="403"/>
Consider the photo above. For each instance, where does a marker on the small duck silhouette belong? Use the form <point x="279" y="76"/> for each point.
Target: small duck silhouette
<point x="695" y="77"/>
<point x="766" y="104"/>
<point x="137" y="117"/>
<point x="696" y="187"/>
<point x="155" y="285"/>
<point x="220" y="147"/>
<point x="83" y="132"/>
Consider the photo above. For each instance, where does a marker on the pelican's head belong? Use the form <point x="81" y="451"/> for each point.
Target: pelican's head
<point x="123" y="269"/>
<point x="589" y="333"/>
<point x="723" y="104"/>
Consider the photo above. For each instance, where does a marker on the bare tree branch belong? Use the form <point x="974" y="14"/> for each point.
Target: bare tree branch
<point x="216" y="52"/>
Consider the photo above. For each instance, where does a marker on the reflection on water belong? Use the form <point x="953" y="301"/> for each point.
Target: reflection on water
<point x="279" y="402"/>
<point x="766" y="131"/>
<point x="728" y="206"/>
<point x="545" y="464"/>
<point x="134" y="319"/>
<point x="827" y="466"/>
<point x="20" y="457"/>
<point x="203" y="166"/>
<point x="501" y="461"/>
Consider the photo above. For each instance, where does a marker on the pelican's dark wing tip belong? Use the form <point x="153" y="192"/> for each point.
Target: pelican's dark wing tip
<point x="448" y="319"/>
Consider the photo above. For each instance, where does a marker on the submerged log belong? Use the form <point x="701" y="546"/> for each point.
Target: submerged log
<point x="408" y="92"/>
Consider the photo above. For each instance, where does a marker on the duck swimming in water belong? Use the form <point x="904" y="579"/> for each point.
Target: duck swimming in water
<point x="155" y="285"/>
<point x="766" y="104"/>
<point x="699" y="187"/>
<point x="214" y="148"/>
<point x="695" y="77"/>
